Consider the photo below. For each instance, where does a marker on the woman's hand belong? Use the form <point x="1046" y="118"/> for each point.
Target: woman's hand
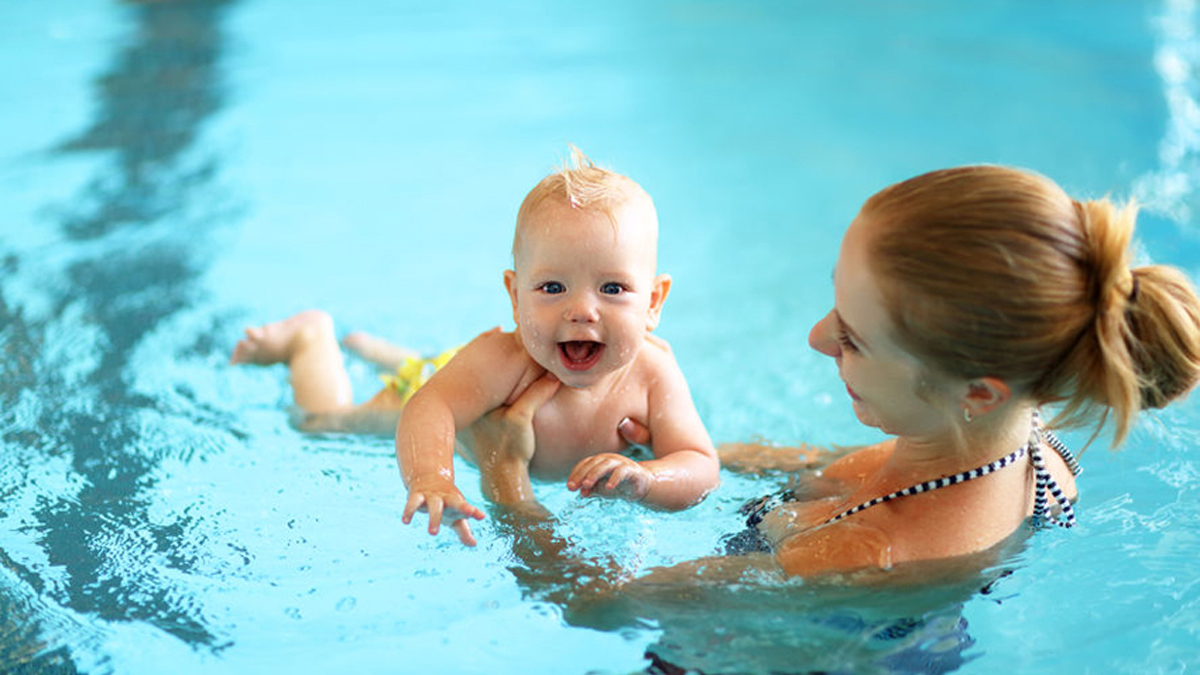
<point x="634" y="432"/>
<point x="504" y="442"/>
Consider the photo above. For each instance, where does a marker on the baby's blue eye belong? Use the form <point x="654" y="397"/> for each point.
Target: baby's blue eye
<point x="612" y="289"/>
<point x="553" y="287"/>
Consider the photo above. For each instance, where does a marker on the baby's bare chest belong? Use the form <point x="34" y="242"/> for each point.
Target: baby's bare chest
<point x="573" y="428"/>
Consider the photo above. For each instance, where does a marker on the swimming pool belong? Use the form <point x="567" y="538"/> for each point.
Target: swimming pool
<point x="173" y="171"/>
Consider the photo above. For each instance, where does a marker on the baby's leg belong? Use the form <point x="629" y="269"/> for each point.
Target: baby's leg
<point x="377" y="416"/>
<point x="307" y="344"/>
<point x="377" y="350"/>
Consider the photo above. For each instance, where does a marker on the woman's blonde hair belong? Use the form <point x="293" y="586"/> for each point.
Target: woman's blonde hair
<point x="990" y="271"/>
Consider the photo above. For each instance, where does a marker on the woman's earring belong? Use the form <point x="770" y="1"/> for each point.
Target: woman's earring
<point x="967" y="415"/>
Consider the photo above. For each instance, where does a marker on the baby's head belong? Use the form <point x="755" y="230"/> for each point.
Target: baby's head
<point x="583" y="283"/>
<point x="582" y="186"/>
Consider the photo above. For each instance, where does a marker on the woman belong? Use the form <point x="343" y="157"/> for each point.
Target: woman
<point x="966" y="300"/>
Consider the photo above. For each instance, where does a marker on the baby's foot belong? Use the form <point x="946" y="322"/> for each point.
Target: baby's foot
<point x="377" y="350"/>
<point x="277" y="342"/>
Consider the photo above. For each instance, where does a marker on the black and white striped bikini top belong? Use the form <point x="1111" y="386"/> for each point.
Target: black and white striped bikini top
<point x="1045" y="483"/>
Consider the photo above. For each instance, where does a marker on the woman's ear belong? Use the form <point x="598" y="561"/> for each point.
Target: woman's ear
<point x="658" y="295"/>
<point x="510" y="284"/>
<point x="984" y="395"/>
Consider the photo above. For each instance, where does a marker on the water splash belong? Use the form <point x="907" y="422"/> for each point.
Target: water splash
<point x="1170" y="190"/>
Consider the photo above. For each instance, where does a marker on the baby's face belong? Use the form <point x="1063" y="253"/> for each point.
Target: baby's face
<point x="584" y="292"/>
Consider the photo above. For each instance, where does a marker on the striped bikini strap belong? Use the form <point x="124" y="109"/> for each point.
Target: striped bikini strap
<point x="1059" y="447"/>
<point x="935" y="484"/>
<point x="1045" y="482"/>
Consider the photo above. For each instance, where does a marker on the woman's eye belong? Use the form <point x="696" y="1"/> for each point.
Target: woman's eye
<point x="612" y="289"/>
<point x="552" y="287"/>
<point x="846" y="342"/>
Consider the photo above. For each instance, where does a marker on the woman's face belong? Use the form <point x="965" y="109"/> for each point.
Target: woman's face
<point x="889" y="387"/>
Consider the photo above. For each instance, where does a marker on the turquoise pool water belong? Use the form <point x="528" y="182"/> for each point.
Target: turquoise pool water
<point x="173" y="171"/>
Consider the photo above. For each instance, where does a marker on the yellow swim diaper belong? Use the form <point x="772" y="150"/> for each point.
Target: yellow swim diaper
<point x="416" y="371"/>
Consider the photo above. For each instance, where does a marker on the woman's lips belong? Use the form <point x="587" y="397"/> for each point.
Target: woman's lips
<point x="852" y="394"/>
<point x="580" y="355"/>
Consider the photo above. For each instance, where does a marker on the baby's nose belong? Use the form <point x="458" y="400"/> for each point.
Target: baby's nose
<point x="582" y="309"/>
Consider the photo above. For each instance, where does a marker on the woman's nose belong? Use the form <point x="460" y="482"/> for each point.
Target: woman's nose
<point x="823" y="336"/>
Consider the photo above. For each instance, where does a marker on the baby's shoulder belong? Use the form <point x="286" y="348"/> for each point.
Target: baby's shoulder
<point x="496" y="343"/>
<point x="500" y="355"/>
<point x="656" y="356"/>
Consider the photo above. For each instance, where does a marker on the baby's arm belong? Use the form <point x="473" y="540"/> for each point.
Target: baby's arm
<point x="476" y="380"/>
<point x="685" y="466"/>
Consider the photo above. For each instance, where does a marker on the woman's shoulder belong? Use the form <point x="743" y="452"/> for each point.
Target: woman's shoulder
<point x="839" y="547"/>
<point x="860" y="462"/>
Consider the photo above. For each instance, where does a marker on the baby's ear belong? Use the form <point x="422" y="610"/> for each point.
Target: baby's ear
<point x="510" y="283"/>
<point x="658" y="295"/>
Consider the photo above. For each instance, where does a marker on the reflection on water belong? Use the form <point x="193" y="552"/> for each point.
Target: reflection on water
<point x="738" y="614"/>
<point x="140" y="227"/>
<point x="155" y="508"/>
<point x="1171" y="190"/>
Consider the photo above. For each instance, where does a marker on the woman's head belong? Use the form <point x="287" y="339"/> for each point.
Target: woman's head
<point x="989" y="271"/>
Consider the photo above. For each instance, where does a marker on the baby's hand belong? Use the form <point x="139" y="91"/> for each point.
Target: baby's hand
<point x="442" y="500"/>
<point x="626" y="478"/>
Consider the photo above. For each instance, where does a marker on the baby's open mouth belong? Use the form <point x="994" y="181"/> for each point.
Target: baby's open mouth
<point x="580" y="354"/>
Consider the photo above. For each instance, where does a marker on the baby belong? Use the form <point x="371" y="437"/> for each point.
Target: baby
<point x="585" y="298"/>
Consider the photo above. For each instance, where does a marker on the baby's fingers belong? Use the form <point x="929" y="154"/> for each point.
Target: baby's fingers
<point x="597" y="469"/>
<point x="415" y="501"/>
<point x="463" y="527"/>
<point x="618" y="475"/>
<point x="419" y="501"/>
<point x="629" y="481"/>
<point x="435" y="505"/>
<point x="580" y="474"/>
<point x="457" y="508"/>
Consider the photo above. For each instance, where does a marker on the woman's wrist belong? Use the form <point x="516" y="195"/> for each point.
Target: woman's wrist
<point x="505" y="479"/>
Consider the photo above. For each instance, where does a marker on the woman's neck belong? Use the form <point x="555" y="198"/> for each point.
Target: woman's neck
<point x="964" y="446"/>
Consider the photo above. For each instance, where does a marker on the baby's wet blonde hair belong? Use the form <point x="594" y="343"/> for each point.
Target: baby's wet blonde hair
<point x="581" y="184"/>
